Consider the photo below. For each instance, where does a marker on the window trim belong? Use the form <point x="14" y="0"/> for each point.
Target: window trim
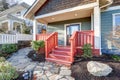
<point x="113" y="24"/>
<point x="65" y="30"/>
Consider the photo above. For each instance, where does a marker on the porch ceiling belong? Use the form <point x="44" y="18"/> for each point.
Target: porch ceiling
<point x="67" y="16"/>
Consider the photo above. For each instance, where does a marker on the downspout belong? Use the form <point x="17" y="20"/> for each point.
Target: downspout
<point x="107" y="4"/>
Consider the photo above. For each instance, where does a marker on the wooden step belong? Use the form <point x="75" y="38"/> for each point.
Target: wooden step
<point x="63" y="48"/>
<point x="58" y="61"/>
<point x="61" y="52"/>
<point x="59" y="56"/>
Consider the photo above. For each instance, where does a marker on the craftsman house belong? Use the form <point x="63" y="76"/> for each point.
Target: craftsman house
<point x="74" y="23"/>
<point x="11" y="20"/>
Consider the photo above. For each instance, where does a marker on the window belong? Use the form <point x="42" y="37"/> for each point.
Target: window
<point x="116" y="22"/>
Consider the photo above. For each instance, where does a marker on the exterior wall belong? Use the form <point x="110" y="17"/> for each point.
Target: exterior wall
<point x="60" y="27"/>
<point x="106" y="27"/>
<point x="56" y="5"/>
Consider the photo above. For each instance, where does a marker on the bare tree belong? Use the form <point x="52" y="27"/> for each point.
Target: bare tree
<point x="114" y="37"/>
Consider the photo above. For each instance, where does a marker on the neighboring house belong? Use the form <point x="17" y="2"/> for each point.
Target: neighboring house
<point x="12" y="21"/>
<point x="67" y="16"/>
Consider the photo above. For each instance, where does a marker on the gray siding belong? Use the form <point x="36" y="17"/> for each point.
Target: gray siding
<point x="107" y="26"/>
<point x="59" y="27"/>
<point x="56" y="5"/>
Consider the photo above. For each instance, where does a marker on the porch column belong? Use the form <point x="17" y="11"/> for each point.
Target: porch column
<point x="21" y="28"/>
<point x="10" y="25"/>
<point x="34" y="29"/>
<point x="97" y="29"/>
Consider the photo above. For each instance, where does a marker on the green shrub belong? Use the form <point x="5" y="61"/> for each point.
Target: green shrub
<point x="7" y="71"/>
<point x="9" y="48"/>
<point x="37" y="44"/>
<point x="116" y="57"/>
<point x="87" y="51"/>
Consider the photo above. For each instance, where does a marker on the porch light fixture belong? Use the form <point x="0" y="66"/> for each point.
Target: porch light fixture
<point x="76" y="14"/>
<point x="53" y="18"/>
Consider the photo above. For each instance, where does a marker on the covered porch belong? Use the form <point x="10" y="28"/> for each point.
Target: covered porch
<point x="74" y="34"/>
<point x="11" y="24"/>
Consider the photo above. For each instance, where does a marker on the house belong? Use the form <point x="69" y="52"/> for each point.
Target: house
<point x="12" y="21"/>
<point x="77" y="22"/>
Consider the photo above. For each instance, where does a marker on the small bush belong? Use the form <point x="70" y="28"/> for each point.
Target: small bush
<point x="116" y="57"/>
<point x="36" y="45"/>
<point x="7" y="71"/>
<point x="9" y="48"/>
<point x="87" y="51"/>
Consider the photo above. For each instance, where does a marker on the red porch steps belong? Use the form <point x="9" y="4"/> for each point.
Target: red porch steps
<point x="60" y="55"/>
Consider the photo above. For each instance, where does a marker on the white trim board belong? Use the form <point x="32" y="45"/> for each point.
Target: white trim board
<point x="113" y="20"/>
<point x="87" y="6"/>
<point x="65" y="31"/>
<point x="112" y="8"/>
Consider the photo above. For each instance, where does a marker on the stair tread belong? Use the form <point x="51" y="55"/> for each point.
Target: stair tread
<point x="58" y="60"/>
<point x="61" y="55"/>
<point x="61" y="50"/>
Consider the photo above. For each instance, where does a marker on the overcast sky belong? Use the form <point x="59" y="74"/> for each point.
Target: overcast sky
<point x="29" y="1"/>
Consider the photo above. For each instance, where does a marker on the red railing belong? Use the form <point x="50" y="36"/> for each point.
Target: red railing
<point x="79" y="39"/>
<point x="51" y="42"/>
<point x="85" y="37"/>
<point x="73" y="42"/>
<point x="42" y="36"/>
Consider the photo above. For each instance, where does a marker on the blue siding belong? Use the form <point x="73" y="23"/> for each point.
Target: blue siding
<point x="106" y="27"/>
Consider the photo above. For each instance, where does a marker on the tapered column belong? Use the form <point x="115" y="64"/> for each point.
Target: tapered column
<point x="34" y="29"/>
<point x="97" y="28"/>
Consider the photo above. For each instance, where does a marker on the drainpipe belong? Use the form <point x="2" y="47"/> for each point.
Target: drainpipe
<point x="107" y="4"/>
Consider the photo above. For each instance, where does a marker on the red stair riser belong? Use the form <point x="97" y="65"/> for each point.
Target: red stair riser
<point x="60" y="57"/>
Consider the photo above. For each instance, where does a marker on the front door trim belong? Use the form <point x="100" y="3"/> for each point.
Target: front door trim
<point x="65" y="31"/>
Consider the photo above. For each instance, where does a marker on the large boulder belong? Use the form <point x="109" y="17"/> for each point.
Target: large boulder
<point x="98" y="69"/>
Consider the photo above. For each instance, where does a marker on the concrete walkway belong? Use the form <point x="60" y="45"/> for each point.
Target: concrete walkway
<point x="43" y="70"/>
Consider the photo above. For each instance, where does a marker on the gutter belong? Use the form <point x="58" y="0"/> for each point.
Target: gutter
<point x="107" y="4"/>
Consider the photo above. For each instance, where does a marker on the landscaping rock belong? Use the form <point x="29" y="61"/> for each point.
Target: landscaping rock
<point x="65" y="72"/>
<point x="98" y="69"/>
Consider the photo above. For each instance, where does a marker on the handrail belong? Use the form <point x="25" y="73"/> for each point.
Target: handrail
<point x="51" y="42"/>
<point x="79" y="38"/>
<point x="73" y="41"/>
<point x="42" y="36"/>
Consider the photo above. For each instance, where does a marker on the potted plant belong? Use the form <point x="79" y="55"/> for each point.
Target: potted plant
<point x="38" y="46"/>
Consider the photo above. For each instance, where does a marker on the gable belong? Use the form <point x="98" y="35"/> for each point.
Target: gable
<point x="56" y="5"/>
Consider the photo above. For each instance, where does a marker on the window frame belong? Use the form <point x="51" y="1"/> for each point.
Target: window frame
<point x="114" y="15"/>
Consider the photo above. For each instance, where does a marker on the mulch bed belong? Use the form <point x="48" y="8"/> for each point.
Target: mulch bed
<point x="79" y="69"/>
<point x="36" y="56"/>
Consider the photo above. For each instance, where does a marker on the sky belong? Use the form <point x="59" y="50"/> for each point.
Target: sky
<point x="29" y="1"/>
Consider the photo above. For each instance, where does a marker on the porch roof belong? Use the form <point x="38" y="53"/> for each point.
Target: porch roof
<point x="40" y="3"/>
<point x="10" y="17"/>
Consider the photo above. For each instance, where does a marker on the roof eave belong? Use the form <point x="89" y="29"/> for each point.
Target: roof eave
<point x="36" y="5"/>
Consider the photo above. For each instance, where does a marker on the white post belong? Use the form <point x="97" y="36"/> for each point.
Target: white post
<point x="92" y="21"/>
<point x="21" y="28"/>
<point x="34" y="29"/>
<point x="97" y="28"/>
<point x="9" y="25"/>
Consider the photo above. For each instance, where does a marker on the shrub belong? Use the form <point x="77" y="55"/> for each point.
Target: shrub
<point x="7" y="71"/>
<point x="9" y="48"/>
<point x="87" y="51"/>
<point x="36" y="45"/>
<point x="116" y="57"/>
